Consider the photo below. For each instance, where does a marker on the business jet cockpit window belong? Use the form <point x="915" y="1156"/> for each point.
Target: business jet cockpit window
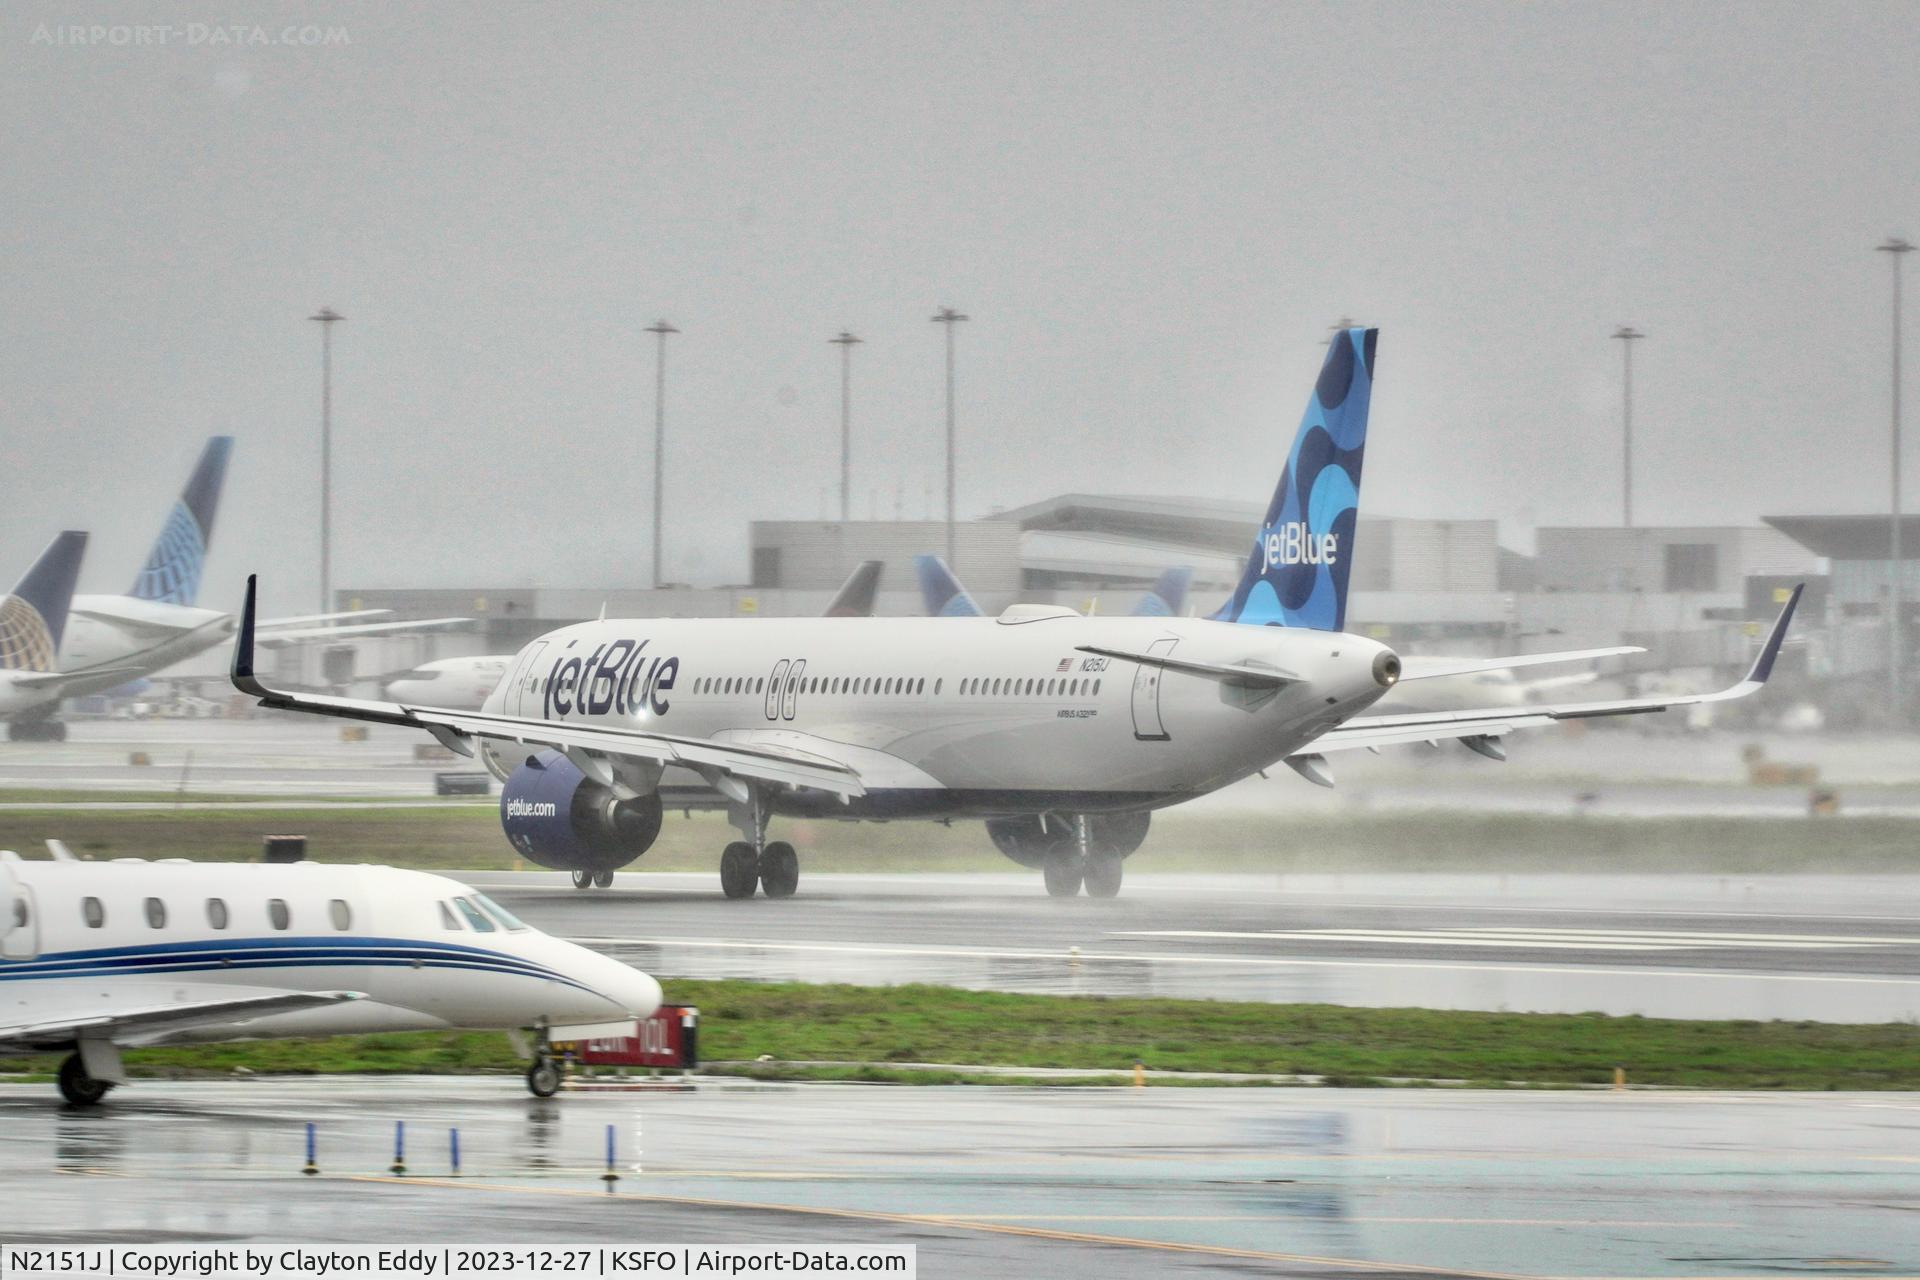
<point x="474" y="916"/>
<point x="506" y="918"/>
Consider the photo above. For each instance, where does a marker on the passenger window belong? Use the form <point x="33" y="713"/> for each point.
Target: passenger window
<point x="341" y="914"/>
<point x="156" y="914"/>
<point x="447" y="919"/>
<point x="936" y="687"/>
<point x="1096" y="686"/>
<point x="217" y="913"/>
<point x="92" y="912"/>
<point x="277" y="913"/>
<point x="474" y="917"/>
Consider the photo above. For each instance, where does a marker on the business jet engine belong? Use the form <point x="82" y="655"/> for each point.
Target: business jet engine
<point x="1029" y="840"/>
<point x="558" y="817"/>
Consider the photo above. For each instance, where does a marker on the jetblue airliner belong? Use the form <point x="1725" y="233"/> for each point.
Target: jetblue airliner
<point x="1063" y="732"/>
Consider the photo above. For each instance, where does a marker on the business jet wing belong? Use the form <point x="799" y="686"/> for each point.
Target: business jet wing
<point x="294" y="635"/>
<point x="586" y="745"/>
<point x="148" y="1022"/>
<point x="1483" y="726"/>
<point x="1414" y="667"/>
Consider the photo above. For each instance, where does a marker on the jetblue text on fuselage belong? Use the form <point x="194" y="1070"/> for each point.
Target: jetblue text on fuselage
<point x="1294" y="543"/>
<point x="618" y="677"/>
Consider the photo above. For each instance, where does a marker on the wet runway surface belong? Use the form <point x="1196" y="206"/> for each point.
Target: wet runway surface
<point x="1003" y="1181"/>
<point x="1831" y="948"/>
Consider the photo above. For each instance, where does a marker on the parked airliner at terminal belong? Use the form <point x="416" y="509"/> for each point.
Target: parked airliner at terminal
<point x="1064" y="732"/>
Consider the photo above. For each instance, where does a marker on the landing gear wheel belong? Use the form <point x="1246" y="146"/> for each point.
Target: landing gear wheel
<point x="739" y="870"/>
<point x="79" y="1088"/>
<point x="57" y="731"/>
<point x="1104" y="871"/>
<point x="543" y="1078"/>
<point x="779" y="870"/>
<point x="603" y="879"/>
<point x="582" y="878"/>
<point x="1063" y="871"/>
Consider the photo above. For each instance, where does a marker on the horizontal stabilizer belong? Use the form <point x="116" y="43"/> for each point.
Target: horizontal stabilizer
<point x="1417" y="668"/>
<point x="1228" y="673"/>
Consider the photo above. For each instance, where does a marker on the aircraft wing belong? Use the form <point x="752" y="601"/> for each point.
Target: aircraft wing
<point x="1482" y="726"/>
<point x="292" y="635"/>
<point x="1418" y="668"/>
<point x="143" y="1022"/>
<point x="90" y="679"/>
<point x="308" y="619"/>
<point x="586" y="745"/>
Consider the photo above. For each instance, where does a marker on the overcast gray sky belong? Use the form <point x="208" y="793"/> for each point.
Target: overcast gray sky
<point x="1151" y="211"/>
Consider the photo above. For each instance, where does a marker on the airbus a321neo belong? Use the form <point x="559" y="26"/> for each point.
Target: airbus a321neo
<point x="1063" y="732"/>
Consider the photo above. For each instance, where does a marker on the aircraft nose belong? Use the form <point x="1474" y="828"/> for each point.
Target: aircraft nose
<point x="635" y="992"/>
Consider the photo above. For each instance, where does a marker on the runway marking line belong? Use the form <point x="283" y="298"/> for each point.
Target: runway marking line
<point x="962" y="1223"/>
<point x="1089" y="957"/>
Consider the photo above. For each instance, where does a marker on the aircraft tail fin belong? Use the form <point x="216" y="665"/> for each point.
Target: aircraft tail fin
<point x="33" y="616"/>
<point x="856" y="595"/>
<point x="1168" y="599"/>
<point x="172" y="572"/>
<point x="940" y="591"/>
<point x="1296" y="575"/>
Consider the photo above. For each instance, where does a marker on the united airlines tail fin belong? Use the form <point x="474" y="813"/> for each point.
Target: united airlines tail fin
<point x="172" y="572"/>
<point x="33" y="616"/>
<point x="1296" y="575"/>
<point x="940" y="591"/>
<point x="1168" y="599"/>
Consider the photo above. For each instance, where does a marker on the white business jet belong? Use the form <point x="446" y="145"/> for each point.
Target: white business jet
<point x="97" y="956"/>
<point x="1063" y="731"/>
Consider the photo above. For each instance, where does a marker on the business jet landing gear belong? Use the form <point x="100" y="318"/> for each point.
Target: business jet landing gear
<point x="79" y="1088"/>
<point x="754" y="863"/>
<point x="543" y="1074"/>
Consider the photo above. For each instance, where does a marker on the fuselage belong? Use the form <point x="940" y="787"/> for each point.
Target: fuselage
<point x="956" y="716"/>
<point x="426" y="952"/>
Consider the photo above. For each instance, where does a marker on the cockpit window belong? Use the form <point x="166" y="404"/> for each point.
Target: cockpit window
<point x="448" y="920"/>
<point x="506" y="918"/>
<point x="474" y="915"/>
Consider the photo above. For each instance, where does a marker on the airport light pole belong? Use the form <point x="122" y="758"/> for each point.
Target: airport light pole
<point x="846" y="342"/>
<point x="660" y="329"/>
<point x="1627" y="336"/>
<point x="949" y="317"/>
<point x="1896" y="248"/>
<point x="327" y="318"/>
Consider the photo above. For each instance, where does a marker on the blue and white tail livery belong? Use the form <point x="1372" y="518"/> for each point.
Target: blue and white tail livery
<point x="172" y="572"/>
<point x="33" y="616"/>
<point x="1297" y="573"/>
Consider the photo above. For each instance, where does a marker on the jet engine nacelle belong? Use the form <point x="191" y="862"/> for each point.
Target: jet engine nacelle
<point x="1029" y="839"/>
<point x="556" y="816"/>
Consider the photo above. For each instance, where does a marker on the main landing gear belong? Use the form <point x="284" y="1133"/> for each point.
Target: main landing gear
<point x="585" y="879"/>
<point x="1073" y="864"/>
<point x="36" y="731"/>
<point x="79" y="1088"/>
<point x="755" y="863"/>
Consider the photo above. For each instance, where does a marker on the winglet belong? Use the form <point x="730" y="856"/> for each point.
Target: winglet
<point x="243" y="677"/>
<point x="1763" y="662"/>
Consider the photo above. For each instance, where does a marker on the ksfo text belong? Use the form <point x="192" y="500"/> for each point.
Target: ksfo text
<point x="706" y="1262"/>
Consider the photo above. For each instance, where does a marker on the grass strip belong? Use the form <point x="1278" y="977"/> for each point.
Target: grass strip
<point x="798" y="1024"/>
<point x="468" y="838"/>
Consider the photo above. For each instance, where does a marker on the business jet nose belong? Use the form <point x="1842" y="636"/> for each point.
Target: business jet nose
<point x="635" y="992"/>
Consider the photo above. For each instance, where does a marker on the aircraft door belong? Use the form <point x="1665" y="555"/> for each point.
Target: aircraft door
<point x="776" y="685"/>
<point x="791" y="697"/>
<point x="1147" y="725"/>
<point x="19" y="920"/>
<point x="523" y="674"/>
